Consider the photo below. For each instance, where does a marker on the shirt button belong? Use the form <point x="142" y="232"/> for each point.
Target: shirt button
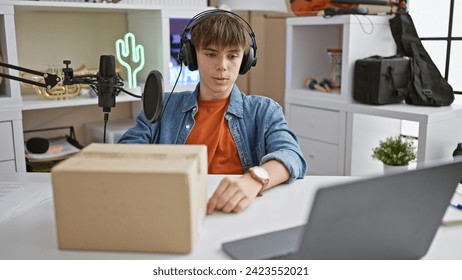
<point x="188" y="126"/>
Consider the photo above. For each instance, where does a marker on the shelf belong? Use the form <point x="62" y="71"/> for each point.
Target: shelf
<point x="316" y="94"/>
<point x="423" y="114"/>
<point x="99" y="7"/>
<point x="39" y="35"/>
<point x="308" y="41"/>
<point x="36" y="102"/>
<point x="336" y="20"/>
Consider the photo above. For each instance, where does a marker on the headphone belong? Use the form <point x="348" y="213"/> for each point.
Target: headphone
<point x="187" y="53"/>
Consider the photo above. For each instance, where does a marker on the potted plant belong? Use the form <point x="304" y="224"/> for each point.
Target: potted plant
<point x="395" y="151"/>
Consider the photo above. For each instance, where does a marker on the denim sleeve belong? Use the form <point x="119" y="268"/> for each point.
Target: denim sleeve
<point x="282" y="144"/>
<point x="141" y="133"/>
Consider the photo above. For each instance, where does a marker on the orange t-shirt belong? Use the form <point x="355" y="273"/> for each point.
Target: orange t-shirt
<point x="212" y="129"/>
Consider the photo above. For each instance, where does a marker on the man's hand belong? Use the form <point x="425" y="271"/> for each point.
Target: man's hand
<point x="234" y="194"/>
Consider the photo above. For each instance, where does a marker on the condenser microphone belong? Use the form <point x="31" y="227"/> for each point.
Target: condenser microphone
<point x="108" y="80"/>
<point x="107" y="85"/>
<point x="153" y="96"/>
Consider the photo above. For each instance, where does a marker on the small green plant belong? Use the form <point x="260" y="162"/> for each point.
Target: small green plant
<point x="395" y="151"/>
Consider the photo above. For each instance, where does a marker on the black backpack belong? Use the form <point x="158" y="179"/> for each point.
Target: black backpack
<point x="427" y="86"/>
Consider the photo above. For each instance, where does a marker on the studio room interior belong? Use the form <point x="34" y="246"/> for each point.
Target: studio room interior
<point x="360" y="158"/>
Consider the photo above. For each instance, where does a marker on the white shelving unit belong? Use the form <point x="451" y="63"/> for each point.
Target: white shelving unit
<point x="11" y="146"/>
<point x="37" y="34"/>
<point x="309" y="38"/>
<point x="337" y="133"/>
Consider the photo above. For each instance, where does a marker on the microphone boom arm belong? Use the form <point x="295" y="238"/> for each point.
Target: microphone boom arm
<point x="51" y="80"/>
<point x="92" y="80"/>
<point x="97" y="82"/>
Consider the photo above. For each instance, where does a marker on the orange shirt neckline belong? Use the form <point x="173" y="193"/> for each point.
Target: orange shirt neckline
<point x="211" y="128"/>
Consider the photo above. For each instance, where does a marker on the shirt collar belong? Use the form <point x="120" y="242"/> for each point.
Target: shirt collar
<point x="235" y="107"/>
<point x="236" y="102"/>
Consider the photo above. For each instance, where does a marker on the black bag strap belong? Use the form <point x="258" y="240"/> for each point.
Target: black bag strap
<point x="389" y="75"/>
<point x="428" y="87"/>
<point x="422" y="68"/>
<point x="385" y="57"/>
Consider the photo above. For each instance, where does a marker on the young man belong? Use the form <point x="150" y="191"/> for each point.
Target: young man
<point x="244" y="134"/>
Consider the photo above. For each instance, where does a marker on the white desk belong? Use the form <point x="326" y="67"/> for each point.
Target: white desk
<point x="32" y="235"/>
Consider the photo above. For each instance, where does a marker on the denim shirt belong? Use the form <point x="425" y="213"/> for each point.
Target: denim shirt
<point x="257" y="124"/>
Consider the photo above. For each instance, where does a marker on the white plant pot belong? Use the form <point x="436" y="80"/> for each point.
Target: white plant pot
<point x="390" y="169"/>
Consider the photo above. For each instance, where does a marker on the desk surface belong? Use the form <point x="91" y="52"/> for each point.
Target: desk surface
<point x="32" y="235"/>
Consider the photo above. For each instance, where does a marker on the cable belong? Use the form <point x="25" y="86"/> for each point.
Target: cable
<point x="359" y="21"/>
<point x="106" y="118"/>
<point x="159" y="122"/>
<point x="361" y="24"/>
<point x="131" y="94"/>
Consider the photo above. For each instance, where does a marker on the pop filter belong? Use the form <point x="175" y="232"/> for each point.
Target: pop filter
<point x="153" y="96"/>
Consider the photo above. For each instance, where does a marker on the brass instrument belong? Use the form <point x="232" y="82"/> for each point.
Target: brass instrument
<point x="59" y="91"/>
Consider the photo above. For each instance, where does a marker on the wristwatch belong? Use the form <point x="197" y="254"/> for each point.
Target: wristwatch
<point x="261" y="175"/>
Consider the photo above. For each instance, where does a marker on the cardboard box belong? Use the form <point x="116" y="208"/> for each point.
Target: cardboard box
<point x="131" y="197"/>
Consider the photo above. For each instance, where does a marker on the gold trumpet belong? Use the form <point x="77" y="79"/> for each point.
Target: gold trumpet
<point x="60" y="91"/>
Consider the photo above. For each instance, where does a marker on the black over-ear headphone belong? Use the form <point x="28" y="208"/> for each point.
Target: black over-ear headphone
<point x="187" y="53"/>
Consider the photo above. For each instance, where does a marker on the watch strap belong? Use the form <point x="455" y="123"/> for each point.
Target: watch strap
<point x="263" y="181"/>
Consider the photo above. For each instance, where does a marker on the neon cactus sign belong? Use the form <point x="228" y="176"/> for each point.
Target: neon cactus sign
<point x="126" y="51"/>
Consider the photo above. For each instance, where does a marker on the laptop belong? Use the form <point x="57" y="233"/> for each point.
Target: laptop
<point x="388" y="217"/>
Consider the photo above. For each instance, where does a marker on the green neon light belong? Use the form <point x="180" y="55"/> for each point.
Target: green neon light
<point x="126" y="50"/>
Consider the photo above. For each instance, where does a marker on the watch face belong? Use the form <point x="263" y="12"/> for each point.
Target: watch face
<point x="260" y="172"/>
